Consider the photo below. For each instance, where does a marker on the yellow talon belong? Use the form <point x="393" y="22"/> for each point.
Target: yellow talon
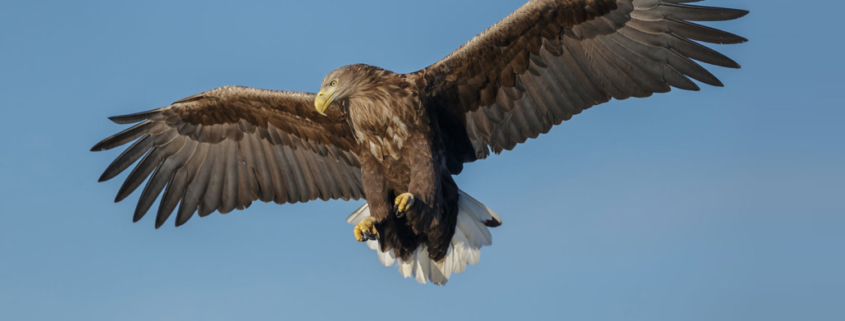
<point x="404" y="202"/>
<point x="367" y="226"/>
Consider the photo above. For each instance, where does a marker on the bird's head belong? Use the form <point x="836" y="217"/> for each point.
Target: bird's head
<point x="344" y="83"/>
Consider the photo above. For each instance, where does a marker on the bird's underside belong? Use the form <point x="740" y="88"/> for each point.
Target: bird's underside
<point x="397" y="139"/>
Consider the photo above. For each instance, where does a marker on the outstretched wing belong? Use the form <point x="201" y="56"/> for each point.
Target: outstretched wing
<point x="551" y="59"/>
<point x="224" y="148"/>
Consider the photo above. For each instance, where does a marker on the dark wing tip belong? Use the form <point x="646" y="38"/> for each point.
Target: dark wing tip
<point x="733" y="14"/>
<point x="182" y="218"/>
<point x="123" y="192"/>
<point x="728" y="63"/>
<point x="106" y="144"/>
<point x="702" y="13"/>
<point x="735" y="65"/>
<point x="98" y="147"/>
<point x="134" y="118"/>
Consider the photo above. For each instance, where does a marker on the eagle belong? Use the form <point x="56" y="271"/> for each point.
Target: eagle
<point x="397" y="140"/>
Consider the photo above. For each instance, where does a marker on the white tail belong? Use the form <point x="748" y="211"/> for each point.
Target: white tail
<point x="470" y="235"/>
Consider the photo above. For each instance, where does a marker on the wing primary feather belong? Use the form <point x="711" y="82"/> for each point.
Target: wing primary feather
<point x="701" y="53"/>
<point x="276" y="180"/>
<point x="312" y="176"/>
<point x="634" y="65"/>
<point x="213" y="194"/>
<point x="330" y="175"/>
<point x="134" y="118"/>
<point x="197" y="183"/>
<point x="663" y="56"/>
<point x="687" y="29"/>
<point x="591" y="87"/>
<point x="592" y="69"/>
<point x="340" y="189"/>
<point x="147" y="165"/>
<point x="150" y="193"/>
<point x="526" y="118"/>
<point x="172" y="195"/>
<point x="698" y="13"/>
<point x="288" y="176"/>
<point x="229" y="197"/>
<point x="678" y="80"/>
<point x="299" y="175"/>
<point x="262" y="168"/>
<point x="688" y="67"/>
<point x="127" y="158"/>
<point x="568" y="98"/>
<point x="683" y="46"/>
<point x="611" y="77"/>
<point x="580" y="89"/>
<point x="122" y="137"/>
<point x="163" y="175"/>
<point x="551" y="111"/>
<point x="618" y="71"/>
<point x="247" y="187"/>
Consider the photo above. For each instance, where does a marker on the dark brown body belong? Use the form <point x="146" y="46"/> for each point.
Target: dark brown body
<point x="413" y="161"/>
<point x="431" y="220"/>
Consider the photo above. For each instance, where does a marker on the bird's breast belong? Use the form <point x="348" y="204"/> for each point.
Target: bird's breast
<point x="380" y="129"/>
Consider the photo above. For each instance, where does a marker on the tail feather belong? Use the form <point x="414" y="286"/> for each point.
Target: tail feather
<point x="359" y="215"/>
<point x="471" y="234"/>
<point x="479" y="211"/>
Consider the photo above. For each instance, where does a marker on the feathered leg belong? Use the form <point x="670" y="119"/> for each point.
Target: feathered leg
<point x="377" y="197"/>
<point x="424" y="189"/>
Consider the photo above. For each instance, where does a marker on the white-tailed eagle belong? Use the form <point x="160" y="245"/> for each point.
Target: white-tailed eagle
<point x="396" y="140"/>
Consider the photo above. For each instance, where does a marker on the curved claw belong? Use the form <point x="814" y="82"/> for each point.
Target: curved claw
<point x="366" y="230"/>
<point x="370" y="236"/>
<point x="403" y="203"/>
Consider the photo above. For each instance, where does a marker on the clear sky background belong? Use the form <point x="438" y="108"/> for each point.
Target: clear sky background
<point x="726" y="204"/>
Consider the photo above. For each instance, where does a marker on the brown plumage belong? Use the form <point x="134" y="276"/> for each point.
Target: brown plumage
<point x="384" y="134"/>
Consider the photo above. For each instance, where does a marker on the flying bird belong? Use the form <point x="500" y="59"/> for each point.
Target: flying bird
<point x="397" y="140"/>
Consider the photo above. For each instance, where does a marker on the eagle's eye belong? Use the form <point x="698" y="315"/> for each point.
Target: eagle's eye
<point x="334" y="83"/>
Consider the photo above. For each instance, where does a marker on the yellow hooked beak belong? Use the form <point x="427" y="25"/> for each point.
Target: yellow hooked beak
<point x="323" y="100"/>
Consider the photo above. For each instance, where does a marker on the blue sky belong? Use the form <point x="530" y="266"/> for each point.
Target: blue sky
<point x="726" y="204"/>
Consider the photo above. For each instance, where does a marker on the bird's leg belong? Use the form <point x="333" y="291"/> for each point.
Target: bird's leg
<point x="378" y="198"/>
<point x="366" y="230"/>
<point x="403" y="203"/>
